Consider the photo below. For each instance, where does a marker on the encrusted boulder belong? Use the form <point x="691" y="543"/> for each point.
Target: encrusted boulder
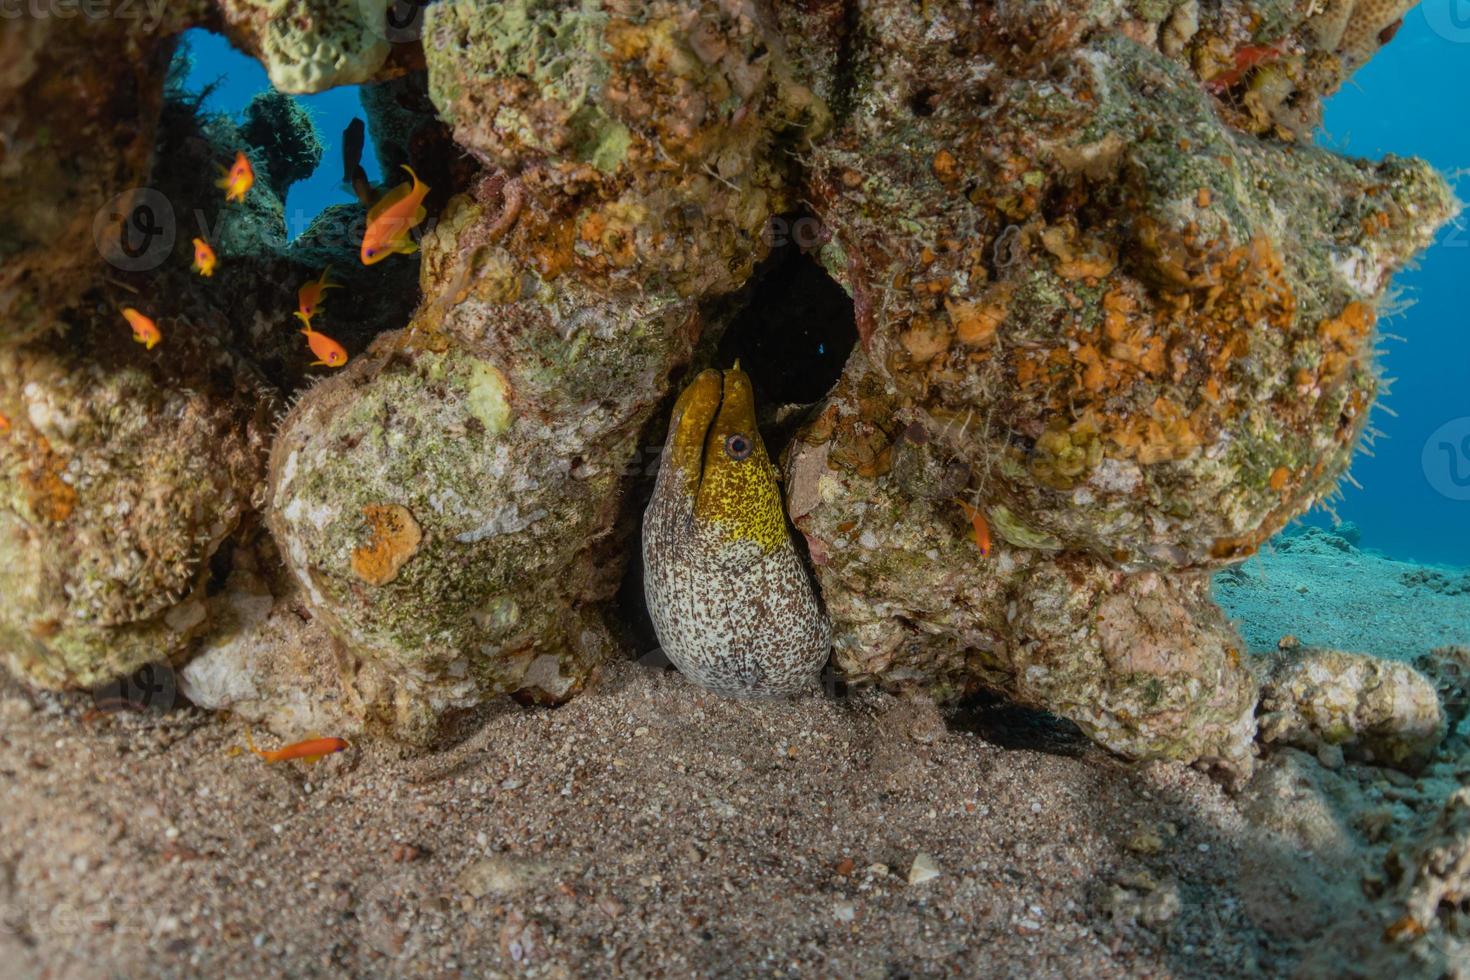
<point x="1378" y="710"/>
<point x="1148" y="335"/>
<point x="1141" y="661"/>
<point x="121" y="472"/>
<point x="310" y="45"/>
<point x="447" y="501"/>
<point x="654" y="140"/>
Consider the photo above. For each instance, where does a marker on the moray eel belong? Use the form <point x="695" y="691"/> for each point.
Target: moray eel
<point x="730" y="598"/>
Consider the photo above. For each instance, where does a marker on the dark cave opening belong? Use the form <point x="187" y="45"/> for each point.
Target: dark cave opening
<point x="797" y="328"/>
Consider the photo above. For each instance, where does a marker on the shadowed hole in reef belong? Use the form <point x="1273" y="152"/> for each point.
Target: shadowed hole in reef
<point x="1012" y="726"/>
<point x="793" y="333"/>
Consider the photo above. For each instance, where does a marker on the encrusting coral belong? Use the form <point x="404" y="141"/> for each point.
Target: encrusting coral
<point x="119" y="477"/>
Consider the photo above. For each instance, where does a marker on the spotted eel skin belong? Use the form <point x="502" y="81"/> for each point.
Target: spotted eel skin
<point x="730" y="598"/>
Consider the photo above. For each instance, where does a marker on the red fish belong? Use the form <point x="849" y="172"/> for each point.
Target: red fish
<point x="979" y="525"/>
<point x="391" y="219"/>
<point x="204" y="260"/>
<point x="329" y="353"/>
<point x="145" y="331"/>
<point x="309" y="296"/>
<point x="238" y="179"/>
<point x="308" y="751"/>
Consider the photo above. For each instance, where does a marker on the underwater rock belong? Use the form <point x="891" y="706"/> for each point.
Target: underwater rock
<point x="653" y="140"/>
<point x="1149" y="337"/>
<point x="121" y="473"/>
<point x="447" y="501"/>
<point x="1436" y="884"/>
<point x="280" y="128"/>
<point x="1143" y="662"/>
<point x="307" y="46"/>
<point x="1377" y="710"/>
<point x="79" y="99"/>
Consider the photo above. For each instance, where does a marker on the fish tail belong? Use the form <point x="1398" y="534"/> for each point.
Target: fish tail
<point x="250" y="743"/>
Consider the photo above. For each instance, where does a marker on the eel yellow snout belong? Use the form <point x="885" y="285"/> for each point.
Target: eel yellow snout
<point x="730" y="599"/>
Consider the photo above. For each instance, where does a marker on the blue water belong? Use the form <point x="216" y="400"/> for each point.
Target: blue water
<point x="1410" y="101"/>
<point x="240" y="77"/>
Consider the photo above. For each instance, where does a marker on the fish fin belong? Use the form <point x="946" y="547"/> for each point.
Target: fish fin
<point x="408" y="247"/>
<point x="416" y="182"/>
<point x="388" y="200"/>
<point x="420" y="214"/>
<point x="250" y="741"/>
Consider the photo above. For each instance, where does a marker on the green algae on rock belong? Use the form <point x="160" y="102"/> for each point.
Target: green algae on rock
<point x="493" y="448"/>
<point x="122" y="473"/>
<point x="307" y="46"/>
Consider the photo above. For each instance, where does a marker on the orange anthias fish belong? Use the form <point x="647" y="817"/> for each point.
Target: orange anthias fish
<point x="308" y="751"/>
<point x="329" y="353"/>
<point x="309" y="296"/>
<point x="204" y="260"/>
<point x="391" y="219"/>
<point x="145" y="331"/>
<point x="4" y="424"/>
<point x="980" y="525"/>
<point x="238" y="179"/>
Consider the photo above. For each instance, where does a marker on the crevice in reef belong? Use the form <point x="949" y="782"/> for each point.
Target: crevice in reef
<point x="797" y="327"/>
<point x="792" y="329"/>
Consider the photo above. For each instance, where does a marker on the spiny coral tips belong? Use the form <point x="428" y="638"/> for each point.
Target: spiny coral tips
<point x="391" y="219"/>
<point x="145" y="331"/>
<point x="204" y="259"/>
<point x="329" y="353"/>
<point x="238" y="179"/>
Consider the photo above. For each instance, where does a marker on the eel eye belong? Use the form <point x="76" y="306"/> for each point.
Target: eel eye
<point x="737" y="446"/>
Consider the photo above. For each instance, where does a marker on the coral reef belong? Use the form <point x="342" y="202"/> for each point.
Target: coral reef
<point x="1116" y="326"/>
<point x="448" y="510"/>
<point x="1142" y="661"/>
<point x="283" y="131"/>
<point x="120" y="475"/>
<point x="310" y="45"/>
<point x="1130" y="335"/>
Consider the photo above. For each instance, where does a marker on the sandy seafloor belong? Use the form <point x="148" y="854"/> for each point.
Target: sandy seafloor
<point x="652" y="829"/>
